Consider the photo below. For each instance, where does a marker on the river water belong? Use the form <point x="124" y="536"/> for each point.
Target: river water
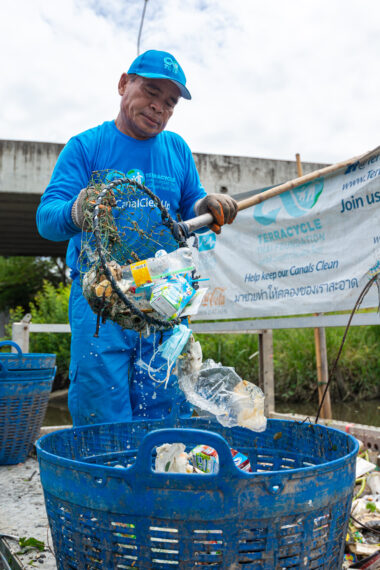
<point x="355" y="412"/>
<point x="361" y="412"/>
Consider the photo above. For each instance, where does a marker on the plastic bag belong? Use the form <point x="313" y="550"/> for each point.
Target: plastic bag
<point x="219" y="390"/>
<point x="172" y="458"/>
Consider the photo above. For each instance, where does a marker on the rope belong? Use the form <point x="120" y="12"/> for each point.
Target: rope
<point x="359" y="301"/>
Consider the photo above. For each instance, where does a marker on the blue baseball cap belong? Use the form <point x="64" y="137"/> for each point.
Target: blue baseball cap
<point x="160" y="65"/>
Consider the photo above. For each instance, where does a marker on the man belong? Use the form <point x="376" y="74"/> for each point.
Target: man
<point x="106" y="382"/>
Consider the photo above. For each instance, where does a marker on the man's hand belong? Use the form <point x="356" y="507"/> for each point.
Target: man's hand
<point x="223" y="209"/>
<point x="77" y="214"/>
<point x="85" y="203"/>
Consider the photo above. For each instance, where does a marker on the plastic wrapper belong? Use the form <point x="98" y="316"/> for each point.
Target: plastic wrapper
<point x="172" y="458"/>
<point x="206" y="459"/>
<point x="220" y="391"/>
<point x="170" y="296"/>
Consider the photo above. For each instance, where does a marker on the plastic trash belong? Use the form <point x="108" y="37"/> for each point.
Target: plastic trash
<point x="363" y="466"/>
<point x="170" y="295"/>
<point x="160" y="287"/>
<point x="219" y="390"/>
<point x="172" y="458"/>
<point x="172" y="347"/>
<point x="373" y="482"/>
<point x="162" y="265"/>
<point x="206" y="459"/>
<point x="170" y="350"/>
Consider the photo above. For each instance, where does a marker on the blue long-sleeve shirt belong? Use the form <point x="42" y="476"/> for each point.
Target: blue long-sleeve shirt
<point x="163" y="163"/>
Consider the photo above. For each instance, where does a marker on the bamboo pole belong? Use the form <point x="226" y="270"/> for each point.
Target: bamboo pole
<point x="207" y="219"/>
<point x="320" y="351"/>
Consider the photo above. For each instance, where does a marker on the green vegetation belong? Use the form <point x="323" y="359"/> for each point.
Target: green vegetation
<point x="50" y="305"/>
<point x="29" y="544"/>
<point x="295" y="373"/>
<point x="22" y="277"/>
<point x="293" y="352"/>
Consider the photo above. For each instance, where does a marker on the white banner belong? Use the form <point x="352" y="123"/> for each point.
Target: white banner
<point x="308" y="250"/>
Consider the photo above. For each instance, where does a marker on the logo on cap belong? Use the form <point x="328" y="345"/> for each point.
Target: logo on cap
<point x="170" y="64"/>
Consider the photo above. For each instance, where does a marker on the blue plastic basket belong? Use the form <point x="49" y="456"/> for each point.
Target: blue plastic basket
<point x="108" y="509"/>
<point x="25" y="384"/>
<point x="18" y="366"/>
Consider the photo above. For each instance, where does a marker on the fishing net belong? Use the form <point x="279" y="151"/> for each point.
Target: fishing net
<point x="126" y="226"/>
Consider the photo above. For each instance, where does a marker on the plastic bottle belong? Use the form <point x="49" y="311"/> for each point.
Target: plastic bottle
<point x="162" y="265"/>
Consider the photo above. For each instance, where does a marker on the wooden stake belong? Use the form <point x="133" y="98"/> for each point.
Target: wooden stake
<point x="320" y="351"/>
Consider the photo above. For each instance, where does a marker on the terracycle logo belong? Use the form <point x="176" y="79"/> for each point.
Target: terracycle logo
<point x="296" y="202"/>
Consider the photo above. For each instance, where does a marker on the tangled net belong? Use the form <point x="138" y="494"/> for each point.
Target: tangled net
<point x="125" y="223"/>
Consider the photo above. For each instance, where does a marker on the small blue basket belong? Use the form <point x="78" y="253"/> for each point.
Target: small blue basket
<point x="18" y="366"/>
<point x="25" y="384"/>
<point x="108" y="508"/>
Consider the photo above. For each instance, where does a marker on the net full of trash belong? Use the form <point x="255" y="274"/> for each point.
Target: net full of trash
<point x="136" y="266"/>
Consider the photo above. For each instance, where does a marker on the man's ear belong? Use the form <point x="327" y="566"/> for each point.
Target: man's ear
<point x="123" y="81"/>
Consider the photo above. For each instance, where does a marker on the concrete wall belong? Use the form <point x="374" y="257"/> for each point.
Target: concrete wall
<point x="238" y="174"/>
<point x="26" y="167"/>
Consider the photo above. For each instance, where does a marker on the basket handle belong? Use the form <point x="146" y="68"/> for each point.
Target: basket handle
<point x="181" y="435"/>
<point x="12" y="343"/>
<point x="3" y="366"/>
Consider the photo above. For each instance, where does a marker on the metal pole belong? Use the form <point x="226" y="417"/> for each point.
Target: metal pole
<point x="141" y="25"/>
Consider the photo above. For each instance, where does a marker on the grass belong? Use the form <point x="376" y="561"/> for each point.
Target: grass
<point x="357" y="374"/>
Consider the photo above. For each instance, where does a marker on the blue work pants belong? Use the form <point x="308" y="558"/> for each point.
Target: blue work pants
<point x="106" y="383"/>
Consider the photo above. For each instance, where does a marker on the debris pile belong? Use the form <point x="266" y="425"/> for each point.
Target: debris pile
<point x="159" y="288"/>
<point x="363" y="537"/>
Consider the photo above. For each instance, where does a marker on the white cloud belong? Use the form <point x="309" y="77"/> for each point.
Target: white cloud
<point x="268" y="78"/>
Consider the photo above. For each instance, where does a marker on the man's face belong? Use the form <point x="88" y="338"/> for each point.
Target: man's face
<point x="146" y="105"/>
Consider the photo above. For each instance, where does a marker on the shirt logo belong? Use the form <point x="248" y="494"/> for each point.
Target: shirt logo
<point x="170" y="64"/>
<point x="137" y="175"/>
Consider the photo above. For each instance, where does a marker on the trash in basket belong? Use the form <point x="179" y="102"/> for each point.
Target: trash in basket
<point x="291" y="512"/>
<point x="25" y="384"/>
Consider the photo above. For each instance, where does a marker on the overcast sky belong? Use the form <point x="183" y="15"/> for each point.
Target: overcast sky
<point x="268" y="78"/>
